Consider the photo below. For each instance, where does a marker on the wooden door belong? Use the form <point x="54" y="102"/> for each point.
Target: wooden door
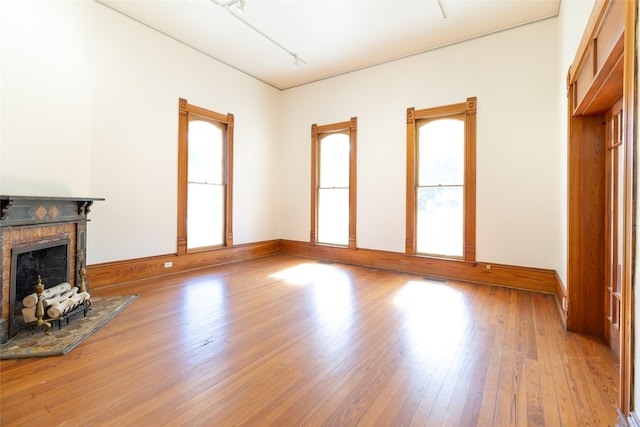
<point x="614" y="225"/>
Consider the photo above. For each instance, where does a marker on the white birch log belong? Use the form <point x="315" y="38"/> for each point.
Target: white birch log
<point x="65" y="305"/>
<point x="56" y="290"/>
<point x="32" y="299"/>
<point x="29" y="314"/>
<point x="53" y="301"/>
<point x="70" y="292"/>
<point x="58" y="310"/>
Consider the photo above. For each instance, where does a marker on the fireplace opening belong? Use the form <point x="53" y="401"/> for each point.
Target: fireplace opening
<point x="49" y="260"/>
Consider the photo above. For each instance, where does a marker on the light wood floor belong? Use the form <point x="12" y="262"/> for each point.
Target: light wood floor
<point x="288" y="341"/>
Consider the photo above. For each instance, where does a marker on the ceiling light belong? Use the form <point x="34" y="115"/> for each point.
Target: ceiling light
<point x="240" y="5"/>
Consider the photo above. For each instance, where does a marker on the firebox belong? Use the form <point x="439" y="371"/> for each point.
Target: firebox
<point x="48" y="261"/>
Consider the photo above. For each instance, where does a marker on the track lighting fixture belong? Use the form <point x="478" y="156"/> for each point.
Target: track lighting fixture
<point x="444" y="14"/>
<point x="239" y="8"/>
<point x="238" y="3"/>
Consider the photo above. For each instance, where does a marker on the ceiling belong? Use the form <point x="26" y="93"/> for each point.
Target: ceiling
<point x="330" y="37"/>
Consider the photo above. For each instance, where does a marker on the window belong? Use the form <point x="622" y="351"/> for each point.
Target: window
<point x="205" y="153"/>
<point x="441" y="181"/>
<point x="333" y="184"/>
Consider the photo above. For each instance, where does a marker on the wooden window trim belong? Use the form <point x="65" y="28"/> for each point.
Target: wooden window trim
<point x="316" y="131"/>
<point x="186" y="110"/>
<point x="467" y="108"/>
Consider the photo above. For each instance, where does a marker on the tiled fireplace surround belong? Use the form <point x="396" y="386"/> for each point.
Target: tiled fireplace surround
<point x="38" y="221"/>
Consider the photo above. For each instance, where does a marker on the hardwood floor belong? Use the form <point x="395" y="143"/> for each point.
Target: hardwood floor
<point x="289" y="341"/>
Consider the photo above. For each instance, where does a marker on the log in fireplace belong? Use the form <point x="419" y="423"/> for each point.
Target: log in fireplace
<point x="43" y="236"/>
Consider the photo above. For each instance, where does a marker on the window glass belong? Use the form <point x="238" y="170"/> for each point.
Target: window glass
<point x="440" y="204"/>
<point x="205" y="215"/>
<point x="205" y="152"/>
<point x="333" y="192"/>
<point x="334" y="160"/>
<point x="205" y="191"/>
<point x="441" y="152"/>
<point x="440" y="221"/>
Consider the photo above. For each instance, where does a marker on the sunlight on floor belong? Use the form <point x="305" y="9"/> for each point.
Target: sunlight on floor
<point x="426" y="303"/>
<point x="330" y="294"/>
<point x="204" y="304"/>
<point x="206" y="296"/>
<point x="307" y="273"/>
<point x="422" y="304"/>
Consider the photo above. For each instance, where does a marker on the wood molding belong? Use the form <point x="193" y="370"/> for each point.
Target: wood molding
<point x="467" y="109"/>
<point x="410" y="221"/>
<point x="313" y="236"/>
<point x="353" y="181"/>
<point x="526" y="278"/>
<point x="598" y="62"/>
<point x="349" y="128"/>
<point x="470" y="179"/>
<point x="585" y="224"/>
<point x="603" y="70"/>
<point x="532" y="279"/>
<point x="628" y="353"/>
<point x="183" y="126"/>
<point x="228" y="178"/>
<point x="113" y="273"/>
<point x="186" y="113"/>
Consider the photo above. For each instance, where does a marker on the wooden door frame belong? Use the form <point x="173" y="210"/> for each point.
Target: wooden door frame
<point x="599" y="74"/>
<point x="628" y="297"/>
<point x="612" y="327"/>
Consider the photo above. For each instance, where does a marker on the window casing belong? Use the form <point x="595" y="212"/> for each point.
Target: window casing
<point x="333" y="184"/>
<point x="205" y="184"/>
<point x="441" y="182"/>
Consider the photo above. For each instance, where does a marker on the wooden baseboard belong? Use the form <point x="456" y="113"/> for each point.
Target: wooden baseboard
<point x="532" y="279"/>
<point x="113" y="273"/>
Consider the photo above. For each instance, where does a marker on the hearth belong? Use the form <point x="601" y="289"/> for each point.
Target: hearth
<point x="40" y="236"/>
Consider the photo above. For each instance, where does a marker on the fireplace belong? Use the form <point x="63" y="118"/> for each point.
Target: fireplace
<point x="40" y="236"/>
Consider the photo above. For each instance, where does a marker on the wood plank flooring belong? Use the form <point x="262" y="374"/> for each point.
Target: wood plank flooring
<point x="289" y="341"/>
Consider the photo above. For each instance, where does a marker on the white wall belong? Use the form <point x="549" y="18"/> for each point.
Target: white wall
<point x="573" y="19"/>
<point x="93" y="99"/>
<point x="46" y="98"/>
<point x="513" y="75"/>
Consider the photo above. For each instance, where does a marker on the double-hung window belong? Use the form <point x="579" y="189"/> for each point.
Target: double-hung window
<point x="205" y="153"/>
<point x="441" y="180"/>
<point x="333" y="184"/>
